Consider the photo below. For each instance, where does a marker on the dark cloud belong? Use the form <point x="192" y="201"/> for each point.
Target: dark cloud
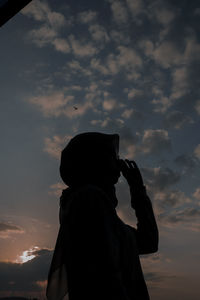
<point x="170" y="199"/>
<point x="156" y="141"/>
<point x="24" y="277"/>
<point x="186" y="161"/>
<point x="188" y="217"/>
<point x="9" y="227"/>
<point x="155" y="276"/>
<point x="176" y="120"/>
<point x="160" y="178"/>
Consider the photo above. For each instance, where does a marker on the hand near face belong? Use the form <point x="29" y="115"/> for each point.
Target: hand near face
<point x="132" y="173"/>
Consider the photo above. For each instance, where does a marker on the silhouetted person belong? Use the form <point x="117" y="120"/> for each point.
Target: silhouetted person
<point x="97" y="255"/>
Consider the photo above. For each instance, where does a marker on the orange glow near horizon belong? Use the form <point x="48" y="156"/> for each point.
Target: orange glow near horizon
<point x="26" y="255"/>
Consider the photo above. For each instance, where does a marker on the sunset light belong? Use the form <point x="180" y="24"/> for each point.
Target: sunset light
<point x="27" y="255"/>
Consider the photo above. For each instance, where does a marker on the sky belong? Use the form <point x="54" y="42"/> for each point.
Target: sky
<point x="115" y="66"/>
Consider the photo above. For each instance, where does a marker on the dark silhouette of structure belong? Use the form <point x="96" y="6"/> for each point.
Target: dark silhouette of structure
<point x="97" y="255"/>
<point x="9" y="8"/>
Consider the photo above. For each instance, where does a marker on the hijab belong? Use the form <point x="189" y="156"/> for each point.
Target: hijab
<point x="88" y="157"/>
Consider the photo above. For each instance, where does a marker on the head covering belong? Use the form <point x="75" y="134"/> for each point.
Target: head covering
<point x="86" y="157"/>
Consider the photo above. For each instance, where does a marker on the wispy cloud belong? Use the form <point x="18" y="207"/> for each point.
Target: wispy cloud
<point x="197" y="151"/>
<point x="87" y="16"/>
<point x="53" y="146"/>
<point x="135" y="7"/>
<point x="57" y="188"/>
<point x="50" y="23"/>
<point x="41" y="11"/>
<point x="5" y="227"/>
<point x="76" y="68"/>
<point x="196" y="194"/>
<point x="186" y="162"/>
<point x="109" y="104"/>
<point x="61" y="45"/>
<point x="119" y="11"/>
<point x="8" y="230"/>
<point x="160" y="178"/>
<point x="155" y="141"/>
<point x="82" y="48"/>
<point x="98" y="33"/>
<point x="54" y="104"/>
<point x="197" y="107"/>
<point x="188" y="217"/>
<point x="127" y="113"/>
<point x="176" y="120"/>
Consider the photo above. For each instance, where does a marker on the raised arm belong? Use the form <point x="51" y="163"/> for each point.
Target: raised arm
<point x="147" y="231"/>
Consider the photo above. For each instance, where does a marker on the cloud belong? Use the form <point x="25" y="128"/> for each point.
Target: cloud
<point x="112" y="64"/>
<point x="196" y="194"/>
<point x="128" y="139"/>
<point x="79" y="109"/>
<point x="130" y="61"/>
<point x="147" y="46"/>
<point x="52" y="105"/>
<point x="164" y="16"/>
<point x="76" y="68"/>
<point x="109" y="104"/>
<point x="82" y="48"/>
<point x="57" y="188"/>
<point x="155" y="277"/>
<point x="170" y="199"/>
<point x="98" y="66"/>
<point x="162" y="104"/>
<point x="17" y="277"/>
<point x="57" y="104"/>
<point x="109" y="67"/>
<point x="86" y="17"/>
<point x="176" y="120"/>
<point x="51" y="23"/>
<point x="126" y="59"/>
<point x="119" y="37"/>
<point x="159" y="179"/>
<point x="188" y="217"/>
<point x="132" y="93"/>
<point x="128" y="142"/>
<point x="5" y="227"/>
<point x="8" y="230"/>
<point x="40" y="11"/>
<point x="197" y="107"/>
<point x="119" y="11"/>
<point x="175" y="207"/>
<point x="127" y="113"/>
<point x="61" y="45"/>
<point x="135" y="7"/>
<point x="167" y="55"/>
<point x="54" y="146"/>
<point x="180" y="87"/>
<point x="98" y="33"/>
<point x="43" y="36"/>
<point x="186" y="161"/>
<point x="179" y="60"/>
<point x="180" y="82"/>
<point x="155" y="141"/>
<point x="197" y="151"/>
<point x="192" y="50"/>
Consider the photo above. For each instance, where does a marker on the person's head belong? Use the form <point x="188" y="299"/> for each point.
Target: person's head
<point x="91" y="157"/>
